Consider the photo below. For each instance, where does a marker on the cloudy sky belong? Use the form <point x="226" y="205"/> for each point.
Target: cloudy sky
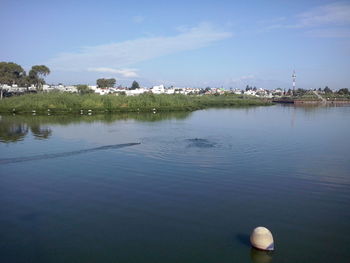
<point x="182" y="43"/>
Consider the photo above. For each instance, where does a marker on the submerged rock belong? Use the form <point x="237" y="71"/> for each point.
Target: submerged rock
<point x="200" y="143"/>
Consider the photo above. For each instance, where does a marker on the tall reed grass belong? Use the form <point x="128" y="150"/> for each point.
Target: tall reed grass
<point x="74" y="103"/>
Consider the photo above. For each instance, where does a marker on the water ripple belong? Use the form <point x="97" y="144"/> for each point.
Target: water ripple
<point x="64" y="154"/>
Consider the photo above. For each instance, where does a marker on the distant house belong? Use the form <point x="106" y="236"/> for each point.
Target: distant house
<point x="250" y="92"/>
<point x="158" y="89"/>
<point x="135" y="92"/>
<point x="102" y="91"/>
<point x="170" y="91"/>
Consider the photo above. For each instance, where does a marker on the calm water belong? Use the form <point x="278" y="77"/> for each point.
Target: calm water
<point x="180" y="187"/>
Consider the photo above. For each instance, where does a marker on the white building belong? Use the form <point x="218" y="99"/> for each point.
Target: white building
<point x="134" y="92"/>
<point x="93" y="87"/>
<point x="102" y="91"/>
<point x="158" y="89"/>
<point x="250" y="92"/>
<point x="170" y="91"/>
<point x="71" y="89"/>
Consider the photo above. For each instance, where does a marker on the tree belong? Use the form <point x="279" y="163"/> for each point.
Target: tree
<point x="135" y="85"/>
<point x="327" y="90"/>
<point x="343" y="91"/>
<point x="105" y="83"/>
<point x="299" y="92"/>
<point x="36" y="75"/>
<point x="84" y="89"/>
<point x="11" y="73"/>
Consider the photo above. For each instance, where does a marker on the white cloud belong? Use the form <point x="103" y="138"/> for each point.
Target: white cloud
<point x="123" y="54"/>
<point x="128" y="73"/>
<point x="253" y="80"/>
<point x="332" y="14"/>
<point x="138" y="19"/>
<point x="246" y="77"/>
<point x="335" y="15"/>
<point x="329" y="33"/>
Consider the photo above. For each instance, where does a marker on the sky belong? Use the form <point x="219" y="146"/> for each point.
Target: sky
<point x="227" y="44"/>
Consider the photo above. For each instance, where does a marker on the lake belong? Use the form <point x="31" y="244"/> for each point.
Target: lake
<point x="176" y="187"/>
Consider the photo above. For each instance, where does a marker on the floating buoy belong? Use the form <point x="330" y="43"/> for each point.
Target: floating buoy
<point x="261" y="238"/>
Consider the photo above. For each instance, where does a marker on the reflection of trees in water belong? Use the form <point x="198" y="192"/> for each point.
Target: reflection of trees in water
<point x="40" y="132"/>
<point x="12" y="132"/>
<point x="15" y="128"/>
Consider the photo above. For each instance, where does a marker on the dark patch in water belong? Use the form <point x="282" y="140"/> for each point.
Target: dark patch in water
<point x="30" y="216"/>
<point x="244" y="239"/>
<point x="64" y="154"/>
<point x="200" y="143"/>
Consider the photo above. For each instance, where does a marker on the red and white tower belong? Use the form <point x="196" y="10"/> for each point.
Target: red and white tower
<point x="294" y="77"/>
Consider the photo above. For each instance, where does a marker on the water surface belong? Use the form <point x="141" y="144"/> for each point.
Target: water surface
<point x="176" y="187"/>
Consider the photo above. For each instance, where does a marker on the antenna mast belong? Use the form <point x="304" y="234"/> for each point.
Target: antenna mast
<point x="294" y="77"/>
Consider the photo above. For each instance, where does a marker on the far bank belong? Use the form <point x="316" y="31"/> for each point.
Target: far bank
<point x="57" y="102"/>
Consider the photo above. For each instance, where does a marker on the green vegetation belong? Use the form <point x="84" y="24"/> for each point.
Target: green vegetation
<point x="135" y="85"/>
<point x="73" y="103"/>
<point x="12" y="73"/>
<point x="84" y="89"/>
<point x="105" y="83"/>
<point x="307" y="95"/>
<point x="336" y="96"/>
<point x="326" y="93"/>
<point x="36" y="75"/>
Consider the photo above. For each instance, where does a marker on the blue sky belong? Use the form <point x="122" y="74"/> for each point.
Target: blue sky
<point x="182" y="43"/>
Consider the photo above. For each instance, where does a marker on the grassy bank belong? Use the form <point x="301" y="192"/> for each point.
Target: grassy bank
<point x="74" y="103"/>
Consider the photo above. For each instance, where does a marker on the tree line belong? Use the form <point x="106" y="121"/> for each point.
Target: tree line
<point x="110" y="83"/>
<point x="12" y="73"/>
<point x="103" y="83"/>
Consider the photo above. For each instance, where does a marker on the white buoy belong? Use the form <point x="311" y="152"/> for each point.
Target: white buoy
<point x="261" y="238"/>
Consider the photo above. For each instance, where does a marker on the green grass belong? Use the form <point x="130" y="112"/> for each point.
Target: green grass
<point x="335" y="96"/>
<point x="73" y="103"/>
<point x="310" y="95"/>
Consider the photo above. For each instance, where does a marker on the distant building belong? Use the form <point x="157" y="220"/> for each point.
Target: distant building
<point x="135" y="92"/>
<point x="158" y="89"/>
